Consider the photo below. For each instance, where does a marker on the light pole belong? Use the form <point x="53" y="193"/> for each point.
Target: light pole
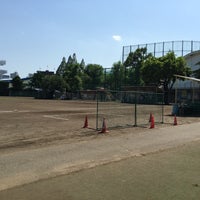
<point x="2" y="62"/>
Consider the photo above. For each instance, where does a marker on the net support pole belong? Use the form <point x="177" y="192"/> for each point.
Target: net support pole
<point x="135" y="124"/>
<point x="162" y="109"/>
<point x="97" y="110"/>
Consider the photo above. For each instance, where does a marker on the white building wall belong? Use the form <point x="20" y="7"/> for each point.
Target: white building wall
<point x="193" y="60"/>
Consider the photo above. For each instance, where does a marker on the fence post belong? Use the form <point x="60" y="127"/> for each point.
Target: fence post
<point x="97" y="111"/>
<point x="162" y="108"/>
<point x="135" y="109"/>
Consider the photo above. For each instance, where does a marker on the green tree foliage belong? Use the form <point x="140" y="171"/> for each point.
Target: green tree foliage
<point x="52" y="83"/>
<point x="17" y="83"/>
<point x="78" y="76"/>
<point x="48" y="83"/>
<point x="36" y="80"/>
<point x="72" y="72"/>
<point x="161" y="71"/>
<point x="62" y="67"/>
<point x="151" y="71"/>
<point x="82" y="64"/>
<point x="133" y="65"/>
<point x="4" y="91"/>
<point x="72" y="76"/>
<point x="116" y="76"/>
<point x="93" y="76"/>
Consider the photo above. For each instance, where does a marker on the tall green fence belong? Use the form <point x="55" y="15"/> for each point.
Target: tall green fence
<point x="128" y="108"/>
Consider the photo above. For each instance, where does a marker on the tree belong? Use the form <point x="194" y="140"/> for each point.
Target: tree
<point x="161" y="71"/>
<point x="4" y="88"/>
<point x="17" y="83"/>
<point x="151" y="71"/>
<point x="62" y="67"/>
<point x="73" y="77"/>
<point x="72" y="72"/>
<point x="82" y="64"/>
<point x="116" y="76"/>
<point x="48" y="83"/>
<point x="93" y="76"/>
<point x="36" y="80"/>
<point x="52" y="83"/>
<point x="134" y="64"/>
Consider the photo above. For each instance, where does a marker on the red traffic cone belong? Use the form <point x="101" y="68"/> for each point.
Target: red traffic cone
<point x="175" y="121"/>
<point x="152" y="122"/>
<point x="86" y="122"/>
<point x="104" y="128"/>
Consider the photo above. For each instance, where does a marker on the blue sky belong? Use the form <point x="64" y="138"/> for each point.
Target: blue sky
<point x="37" y="34"/>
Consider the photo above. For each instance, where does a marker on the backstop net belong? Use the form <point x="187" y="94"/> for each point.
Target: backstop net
<point x="128" y="108"/>
<point x="180" y="48"/>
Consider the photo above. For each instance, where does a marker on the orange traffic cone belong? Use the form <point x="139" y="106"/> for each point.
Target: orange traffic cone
<point x="152" y="122"/>
<point x="175" y="121"/>
<point x="86" y="122"/>
<point x="104" y="128"/>
<point x="150" y="118"/>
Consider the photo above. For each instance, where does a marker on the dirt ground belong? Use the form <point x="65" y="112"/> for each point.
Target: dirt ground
<point x="33" y="129"/>
<point x="31" y="123"/>
<point x="26" y="122"/>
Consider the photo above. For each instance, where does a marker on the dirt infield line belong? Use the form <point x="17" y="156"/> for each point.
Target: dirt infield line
<point x="14" y="111"/>
<point x="55" y="117"/>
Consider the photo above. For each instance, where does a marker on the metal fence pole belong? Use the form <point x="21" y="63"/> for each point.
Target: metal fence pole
<point x="162" y="108"/>
<point x="97" y="111"/>
<point x="135" y="109"/>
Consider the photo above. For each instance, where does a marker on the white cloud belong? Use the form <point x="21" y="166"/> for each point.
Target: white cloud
<point x="117" y="38"/>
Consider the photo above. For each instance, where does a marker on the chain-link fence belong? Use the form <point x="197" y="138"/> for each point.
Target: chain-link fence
<point x="181" y="48"/>
<point x="125" y="108"/>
